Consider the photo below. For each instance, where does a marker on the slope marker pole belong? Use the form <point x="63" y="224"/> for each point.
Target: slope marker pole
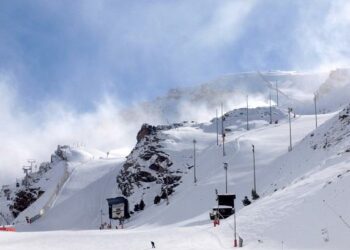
<point x="253" y="149"/>
<point x="225" y="167"/>
<point x="270" y="108"/>
<point x="217" y="128"/>
<point x="194" y="161"/>
<point x="315" y="102"/>
<point x="290" y="130"/>
<point x="222" y="130"/>
<point x="247" y="112"/>
<point x="277" y="93"/>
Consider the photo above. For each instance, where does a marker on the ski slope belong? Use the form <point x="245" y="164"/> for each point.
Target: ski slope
<point x="82" y="198"/>
<point x="291" y="212"/>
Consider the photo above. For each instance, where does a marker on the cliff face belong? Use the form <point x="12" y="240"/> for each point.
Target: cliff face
<point x="148" y="162"/>
<point x="17" y="197"/>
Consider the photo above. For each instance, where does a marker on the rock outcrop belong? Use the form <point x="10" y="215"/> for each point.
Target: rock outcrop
<point x="148" y="163"/>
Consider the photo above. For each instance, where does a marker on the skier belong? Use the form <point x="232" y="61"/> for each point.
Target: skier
<point x="153" y="245"/>
<point x="246" y="201"/>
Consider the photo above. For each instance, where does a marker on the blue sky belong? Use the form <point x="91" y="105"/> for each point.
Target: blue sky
<point x="68" y="69"/>
<point x="77" y="52"/>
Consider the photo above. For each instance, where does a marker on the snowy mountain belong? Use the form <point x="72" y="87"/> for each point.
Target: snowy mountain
<point x="291" y="185"/>
<point x="112" y="128"/>
<point x="20" y="200"/>
<point x="198" y="103"/>
<point x="29" y="198"/>
<point x="303" y="192"/>
<point x="333" y="93"/>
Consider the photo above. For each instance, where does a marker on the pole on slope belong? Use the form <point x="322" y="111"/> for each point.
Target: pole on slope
<point x="253" y="149"/>
<point x="270" y="109"/>
<point x="194" y="161"/>
<point x="101" y="216"/>
<point x="223" y="130"/>
<point x="277" y="93"/>
<point x="255" y="195"/>
<point x="217" y="128"/>
<point x="235" y="227"/>
<point x="290" y="130"/>
<point x="247" y="112"/>
<point x="315" y="102"/>
<point x="225" y="167"/>
<point x="166" y="186"/>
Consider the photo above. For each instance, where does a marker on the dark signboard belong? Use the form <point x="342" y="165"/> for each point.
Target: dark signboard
<point x="226" y="200"/>
<point x="118" y="208"/>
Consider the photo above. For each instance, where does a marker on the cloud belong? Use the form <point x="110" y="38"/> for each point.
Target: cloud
<point x="116" y="47"/>
<point x="109" y="126"/>
<point x="224" y="26"/>
<point x="36" y="135"/>
<point x="324" y="34"/>
<point x="59" y="59"/>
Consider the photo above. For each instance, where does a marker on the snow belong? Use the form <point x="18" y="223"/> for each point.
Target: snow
<point x="82" y="198"/>
<point x="165" y="238"/>
<point x="302" y="192"/>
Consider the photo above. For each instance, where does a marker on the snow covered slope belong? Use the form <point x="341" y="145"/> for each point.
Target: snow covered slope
<point x="292" y="186"/>
<point x="197" y="103"/>
<point x="28" y="196"/>
<point x="310" y="207"/>
<point x="31" y="197"/>
<point x="80" y="202"/>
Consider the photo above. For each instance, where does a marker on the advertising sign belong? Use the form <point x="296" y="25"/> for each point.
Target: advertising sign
<point x="118" y="211"/>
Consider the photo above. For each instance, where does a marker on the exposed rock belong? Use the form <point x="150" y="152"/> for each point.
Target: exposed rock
<point x="171" y="179"/>
<point x="146" y="129"/>
<point x="24" y="199"/>
<point x="156" y="167"/>
<point x="147" y="162"/>
<point x="145" y="177"/>
<point x="60" y="154"/>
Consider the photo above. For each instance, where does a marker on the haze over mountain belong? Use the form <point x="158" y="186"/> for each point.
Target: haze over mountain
<point x="206" y="124"/>
<point x="114" y="125"/>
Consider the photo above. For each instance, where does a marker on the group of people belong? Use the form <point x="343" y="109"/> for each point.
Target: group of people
<point x="105" y="226"/>
<point x="109" y="226"/>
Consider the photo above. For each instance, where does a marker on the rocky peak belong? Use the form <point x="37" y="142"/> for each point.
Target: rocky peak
<point x="148" y="162"/>
<point x="145" y="130"/>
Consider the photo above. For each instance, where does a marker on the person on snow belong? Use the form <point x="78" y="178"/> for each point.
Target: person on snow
<point x="246" y="201"/>
<point x="153" y="245"/>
